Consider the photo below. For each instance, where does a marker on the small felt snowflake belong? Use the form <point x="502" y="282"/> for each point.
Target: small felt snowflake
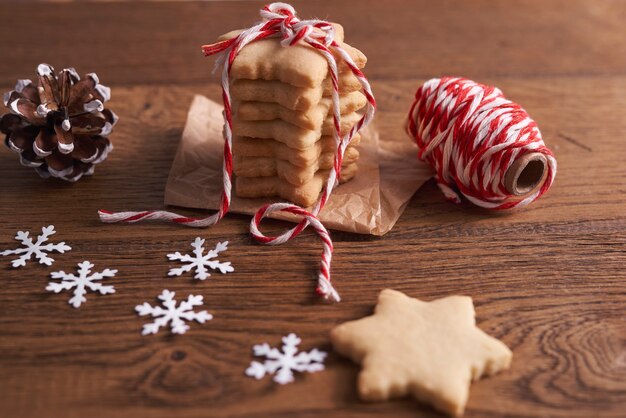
<point x="176" y="316"/>
<point x="37" y="248"/>
<point x="200" y="261"/>
<point x="283" y="363"/>
<point x="85" y="280"/>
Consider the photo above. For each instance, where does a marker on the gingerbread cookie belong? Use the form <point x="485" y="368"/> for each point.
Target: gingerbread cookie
<point x="255" y="147"/>
<point x="288" y="134"/>
<point x="430" y="350"/>
<point x="304" y="195"/>
<point x="309" y="119"/>
<point x="293" y="174"/>
<point x="291" y="97"/>
<point x="299" y="65"/>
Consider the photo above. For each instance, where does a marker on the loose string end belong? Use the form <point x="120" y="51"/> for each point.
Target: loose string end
<point x="326" y="289"/>
<point x="115" y="217"/>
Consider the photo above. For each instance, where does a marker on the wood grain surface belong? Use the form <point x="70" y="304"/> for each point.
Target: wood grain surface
<point x="549" y="281"/>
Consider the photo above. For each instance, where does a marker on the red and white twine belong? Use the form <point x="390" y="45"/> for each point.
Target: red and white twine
<point x="279" y="20"/>
<point x="471" y="134"/>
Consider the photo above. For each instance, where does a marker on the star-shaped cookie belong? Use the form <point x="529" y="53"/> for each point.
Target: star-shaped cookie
<point x="299" y="65"/>
<point x="430" y="350"/>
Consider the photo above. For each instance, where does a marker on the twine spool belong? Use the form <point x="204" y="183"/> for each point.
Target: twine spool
<point x="481" y="145"/>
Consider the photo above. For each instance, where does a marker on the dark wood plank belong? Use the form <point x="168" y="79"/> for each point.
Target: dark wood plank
<point x="548" y="281"/>
<point x="137" y="42"/>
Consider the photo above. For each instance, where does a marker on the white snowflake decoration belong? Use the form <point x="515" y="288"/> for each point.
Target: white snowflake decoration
<point x="176" y="316"/>
<point x="85" y="280"/>
<point x="200" y="261"/>
<point x="282" y="364"/>
<point x="38" y="248"/>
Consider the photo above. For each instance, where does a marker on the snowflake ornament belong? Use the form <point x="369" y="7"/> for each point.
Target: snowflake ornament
<point x="282" y="364"/>
<point x="85" y="280"/>
<point x="200" y="261"/>
<point x="37" y="248"/>
<point x="176" y="316"/>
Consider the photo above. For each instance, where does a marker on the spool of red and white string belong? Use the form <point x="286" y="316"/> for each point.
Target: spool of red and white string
<point x="279" y="21"/>
<point x="481" y="145"/>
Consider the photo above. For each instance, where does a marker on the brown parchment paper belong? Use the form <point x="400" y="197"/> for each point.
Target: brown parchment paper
<point x="371" y="203"/>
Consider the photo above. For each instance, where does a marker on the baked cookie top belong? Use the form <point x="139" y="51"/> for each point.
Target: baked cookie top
<point x="300" y="65"/>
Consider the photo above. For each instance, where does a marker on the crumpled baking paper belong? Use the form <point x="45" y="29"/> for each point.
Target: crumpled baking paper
<point x="371" y="203"/>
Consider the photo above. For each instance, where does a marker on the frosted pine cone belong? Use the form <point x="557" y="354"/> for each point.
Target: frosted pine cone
<point x="60" y="125"/>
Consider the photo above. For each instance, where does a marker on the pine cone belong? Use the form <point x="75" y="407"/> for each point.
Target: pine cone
<point x="60" y="126"/>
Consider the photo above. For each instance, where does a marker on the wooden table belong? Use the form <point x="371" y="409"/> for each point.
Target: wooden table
<point x="549" y="281"/>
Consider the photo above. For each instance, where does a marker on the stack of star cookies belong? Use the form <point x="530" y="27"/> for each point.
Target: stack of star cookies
<point x="283" y="142"/>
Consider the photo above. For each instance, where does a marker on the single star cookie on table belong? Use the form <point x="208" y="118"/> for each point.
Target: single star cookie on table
<point x="430" y="350"/>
